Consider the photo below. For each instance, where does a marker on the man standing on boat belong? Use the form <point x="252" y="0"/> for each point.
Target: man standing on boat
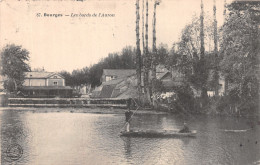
<point x="128" y="115"/>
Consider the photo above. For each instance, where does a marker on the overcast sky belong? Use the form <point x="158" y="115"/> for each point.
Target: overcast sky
<point x="67" y="43"/>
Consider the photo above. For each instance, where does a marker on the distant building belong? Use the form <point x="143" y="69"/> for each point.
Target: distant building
<point x="122" y="83"/>
<point x="122" y="88"/>
<point x="111" y="74"/>
<point x="115" y="82"/>
<point x="43" y="79"/>
<point x="45" y="84"/>
<point x="170" y="79"/>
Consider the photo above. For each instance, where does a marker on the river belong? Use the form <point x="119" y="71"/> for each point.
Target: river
<point x="65" y="137"/>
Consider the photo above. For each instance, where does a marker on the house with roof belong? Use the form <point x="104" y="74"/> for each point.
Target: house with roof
<point x="45" y="84"/>
<point x="116" y="82"/>
<point x="170" y="78"/>
<point x="122" y="83"/>
<point x="122" y="88"/>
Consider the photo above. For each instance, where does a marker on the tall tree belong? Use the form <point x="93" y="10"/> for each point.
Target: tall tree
<point x="216" y="61"/>
<point x="225" y="18"/>
<point x="138" y="51"/>
<point x="225" y="10"/>
<point x="143" y="27"/>
<point x="202" y="61"/>
<point x="202" y="47"/>
<point x="147" y="59"/>
<point x="153" y="66"/>
<point x="15" y="62"/>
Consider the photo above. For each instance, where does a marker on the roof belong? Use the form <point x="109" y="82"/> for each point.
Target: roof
<point x="46" y="87"/>
<point x="120" y="73"/>
<point x="107" y="91"/>
<point x="40" y="74"/>
<point x="129" y="93"/>
<point x="161" y="75"/>
<point x="113" y="82"/>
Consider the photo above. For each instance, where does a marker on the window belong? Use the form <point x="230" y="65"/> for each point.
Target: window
<point x="55" y="77"/>
<point x="55" y="83"/>
<point x="113" y="77"/>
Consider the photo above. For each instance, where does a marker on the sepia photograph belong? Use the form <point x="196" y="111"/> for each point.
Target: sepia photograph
<point x="130" y="82"/>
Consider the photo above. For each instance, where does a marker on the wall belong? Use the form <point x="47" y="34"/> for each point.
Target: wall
<point x="34" y="82"/>
<point x="60" y="82"/>
<point x="3" y="100"/>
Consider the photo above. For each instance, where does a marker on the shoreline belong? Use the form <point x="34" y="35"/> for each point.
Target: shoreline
<point x="111" y="111"/>
<point x="82" y="110"/>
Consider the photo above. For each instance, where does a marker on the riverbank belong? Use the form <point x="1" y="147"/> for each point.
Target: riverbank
<point x="80" y="110"/>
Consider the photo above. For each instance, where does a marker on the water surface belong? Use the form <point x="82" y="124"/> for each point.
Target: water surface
<point x="65" y="138"/>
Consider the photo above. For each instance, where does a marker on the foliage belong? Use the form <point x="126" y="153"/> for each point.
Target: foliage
<point x="9" y="85"/>
<point x="15" y="63"/>
<point x="240" y="49"/>
<point x="92" y="75"/>
<point x="158" y="86"/>
<point x="162" y="54"/>
<point x="189" y="59"/>
<point x="185" y="100"/>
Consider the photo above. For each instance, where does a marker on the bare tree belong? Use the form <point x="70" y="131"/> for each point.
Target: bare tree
<point x="216" y="67"/>
<point x="143" y="27"/>
<point x="138" y="51"/>
<point x="156" y="2"/>
<point x="147" y="59"/>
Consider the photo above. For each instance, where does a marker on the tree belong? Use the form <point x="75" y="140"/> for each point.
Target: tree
<point x="162" y="55"/>
<point x="146" y="59"/>
<point x="68" y="78"/>
<point x="202" y="62"/>
<point x="240" y="49"/>
<point x="138" y="51"/>
<point x="216" y="57"/>
<point x="119" y="60"/>
<point x="15" y="63"/>
<point x="153" y="65"/>
<point x="191" y="57"/>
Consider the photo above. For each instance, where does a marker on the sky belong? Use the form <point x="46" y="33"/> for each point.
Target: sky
<point x="68" y="42"/>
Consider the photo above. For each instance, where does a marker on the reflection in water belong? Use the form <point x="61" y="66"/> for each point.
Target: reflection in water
<point x="127" y="146"/>
<point x="83" y="138"/>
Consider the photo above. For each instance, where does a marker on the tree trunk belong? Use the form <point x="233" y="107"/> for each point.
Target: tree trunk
<point x="226" y="80"/>
<point x="143" y="28"/>
<point x="146" y="60"/>
<point x="225" y="10"/>
<point x="138" y="51"/>
<point x="216" y="76"/>
<point x="15" y="85"/>
<point x="202" y="48"/>
<point x="153" y="66"/>
<point x="202" y="57"/>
